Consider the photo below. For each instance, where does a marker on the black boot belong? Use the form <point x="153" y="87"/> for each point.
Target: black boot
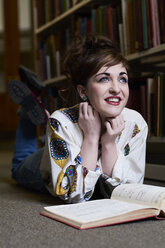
<point x="31" y="80"/>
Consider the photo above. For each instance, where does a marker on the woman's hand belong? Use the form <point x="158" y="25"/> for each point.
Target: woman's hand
<point x="109" y="152"/>
<point x="113" y="128"/>
<point x="89" y="121"/>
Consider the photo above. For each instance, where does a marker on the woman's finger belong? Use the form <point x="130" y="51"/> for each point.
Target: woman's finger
<point x="90" y="110"/>
<point x="83" y="109"/>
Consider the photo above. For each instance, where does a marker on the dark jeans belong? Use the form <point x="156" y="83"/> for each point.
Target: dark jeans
<point x="27" y="158"/>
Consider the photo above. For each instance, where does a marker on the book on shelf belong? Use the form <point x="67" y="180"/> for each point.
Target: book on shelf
<point x="161" y="10"/>
<point x="109" y="22"/>
<point x="102" y="20"/>
<point x="155" y="22"/>
<point x="128" y="202"/>
<point x="137" y="97"/>
<point x="42" y="60"/>
<point x="57" y="8"/>
<point x="143" y="24"/>
<point x="131" y="33"/>
<point x="139" y="24"/>
<point x="39" y="6"/>
<point x="125" y="27"/>
<point x="147" y="97"/>
<point x="149" y="25"/>
<point x="48" y="10"/>
<point x="163" y="105"/>
<point x="150" y="110"/>
<point x="159" y="103"/>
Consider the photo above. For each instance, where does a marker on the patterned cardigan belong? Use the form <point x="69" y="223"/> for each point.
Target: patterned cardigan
<point x="61" y="167"/>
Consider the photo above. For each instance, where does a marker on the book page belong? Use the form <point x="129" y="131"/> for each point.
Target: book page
<point x="86" y="212"/>
<point x="141" y="193"/>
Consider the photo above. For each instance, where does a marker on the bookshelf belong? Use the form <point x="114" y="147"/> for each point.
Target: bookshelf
<point x="46" y="27"/>
<point x="137" y="30"/>
<point x="149" y="52"/>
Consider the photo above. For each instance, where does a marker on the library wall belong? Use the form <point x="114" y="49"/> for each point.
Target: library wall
<point x="136" y="27"/>
<point x="11" y="61"/>
<point x="17" y="48"/>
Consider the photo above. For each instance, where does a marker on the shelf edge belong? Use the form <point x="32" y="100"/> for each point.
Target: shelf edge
<point x="62" y="16"/>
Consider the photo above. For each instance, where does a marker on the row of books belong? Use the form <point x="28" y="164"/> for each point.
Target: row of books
<point x="52" y="49"/>
<point x="103" y="20"/>
<point x="47" y="10"/>
<point x="147" y="97"/>
<point x="143" y="24"/>
<point x="50" y="54"/>
<point x="136" y="24"/>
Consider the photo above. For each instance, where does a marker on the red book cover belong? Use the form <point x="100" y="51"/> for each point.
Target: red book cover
<point x="110" y="22"/>
<point x="149" y="23"/>
<point x="139" y="24"/>
<point x="57" y="7"/>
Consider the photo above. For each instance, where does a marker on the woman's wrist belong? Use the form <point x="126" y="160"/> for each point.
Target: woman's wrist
<point x="111" y="145"/>
<point x="109" y="155"/>
<point x="91" y="140"/>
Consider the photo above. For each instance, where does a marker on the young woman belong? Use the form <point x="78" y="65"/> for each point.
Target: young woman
<point x="97" y="140"/>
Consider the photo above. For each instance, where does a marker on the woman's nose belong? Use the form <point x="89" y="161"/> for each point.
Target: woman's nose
<point x="114" y="87"/>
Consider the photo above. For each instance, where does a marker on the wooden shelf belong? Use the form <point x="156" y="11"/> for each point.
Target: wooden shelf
<point x="149" y="52"/>
<point x="60" y="18"/>
<point x="56" y="81"/>
<point x="155" y="139"/>
<point x="155" y="171"/>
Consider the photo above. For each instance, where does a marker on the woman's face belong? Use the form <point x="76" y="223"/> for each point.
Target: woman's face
<point x="108" y="90"/>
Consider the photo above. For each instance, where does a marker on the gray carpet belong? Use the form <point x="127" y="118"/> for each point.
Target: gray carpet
<point x="22" y="226"/>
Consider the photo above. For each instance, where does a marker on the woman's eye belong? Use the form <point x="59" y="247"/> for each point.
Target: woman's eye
<point x="123" y="80"/>
<point x="104" y="79"/>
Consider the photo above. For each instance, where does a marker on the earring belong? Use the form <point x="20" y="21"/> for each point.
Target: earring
<point x="84" y="98"/>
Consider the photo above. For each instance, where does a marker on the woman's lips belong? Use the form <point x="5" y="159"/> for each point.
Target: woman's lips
<point x="113" y="100"/>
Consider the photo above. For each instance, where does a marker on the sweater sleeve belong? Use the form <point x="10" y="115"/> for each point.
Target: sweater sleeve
<point x="130" y="165"/>
<point x="70" y="181"/>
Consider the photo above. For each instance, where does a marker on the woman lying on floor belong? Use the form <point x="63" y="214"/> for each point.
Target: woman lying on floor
<point x="98" y="140"/>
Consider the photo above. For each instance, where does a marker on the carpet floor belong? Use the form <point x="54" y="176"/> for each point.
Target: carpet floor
<point x="22" y="226"/>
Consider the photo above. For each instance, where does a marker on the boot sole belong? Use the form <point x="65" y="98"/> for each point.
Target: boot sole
<point x="23" y="96"/>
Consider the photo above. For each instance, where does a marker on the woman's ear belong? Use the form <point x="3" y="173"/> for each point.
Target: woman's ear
<point x="81" y="90"/>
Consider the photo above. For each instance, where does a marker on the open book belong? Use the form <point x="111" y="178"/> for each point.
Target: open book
<point x="129" y="202"/>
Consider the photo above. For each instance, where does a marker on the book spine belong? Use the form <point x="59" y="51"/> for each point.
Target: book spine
<point x="125" y="27"/>
<point x="150" y="92"/>
<point x="149" y="23"/>
<point x="163" y="105"/>
<point x="157" y="23"/>
<point x="154" y="32"/>
<point x="131" y="30"/>
<point x="93" y="14"/>
<point x="109" y="22"/>
<point x="140" y="25"/>
<point x="42" y="61"/>
<point x="158" y="106"/>
<point x="135" y="26"/>
<point x="145" y="26"/>
<point x="121" y="38"/>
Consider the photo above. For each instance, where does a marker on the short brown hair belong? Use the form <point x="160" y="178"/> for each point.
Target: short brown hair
<point x="87" y="55"/>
